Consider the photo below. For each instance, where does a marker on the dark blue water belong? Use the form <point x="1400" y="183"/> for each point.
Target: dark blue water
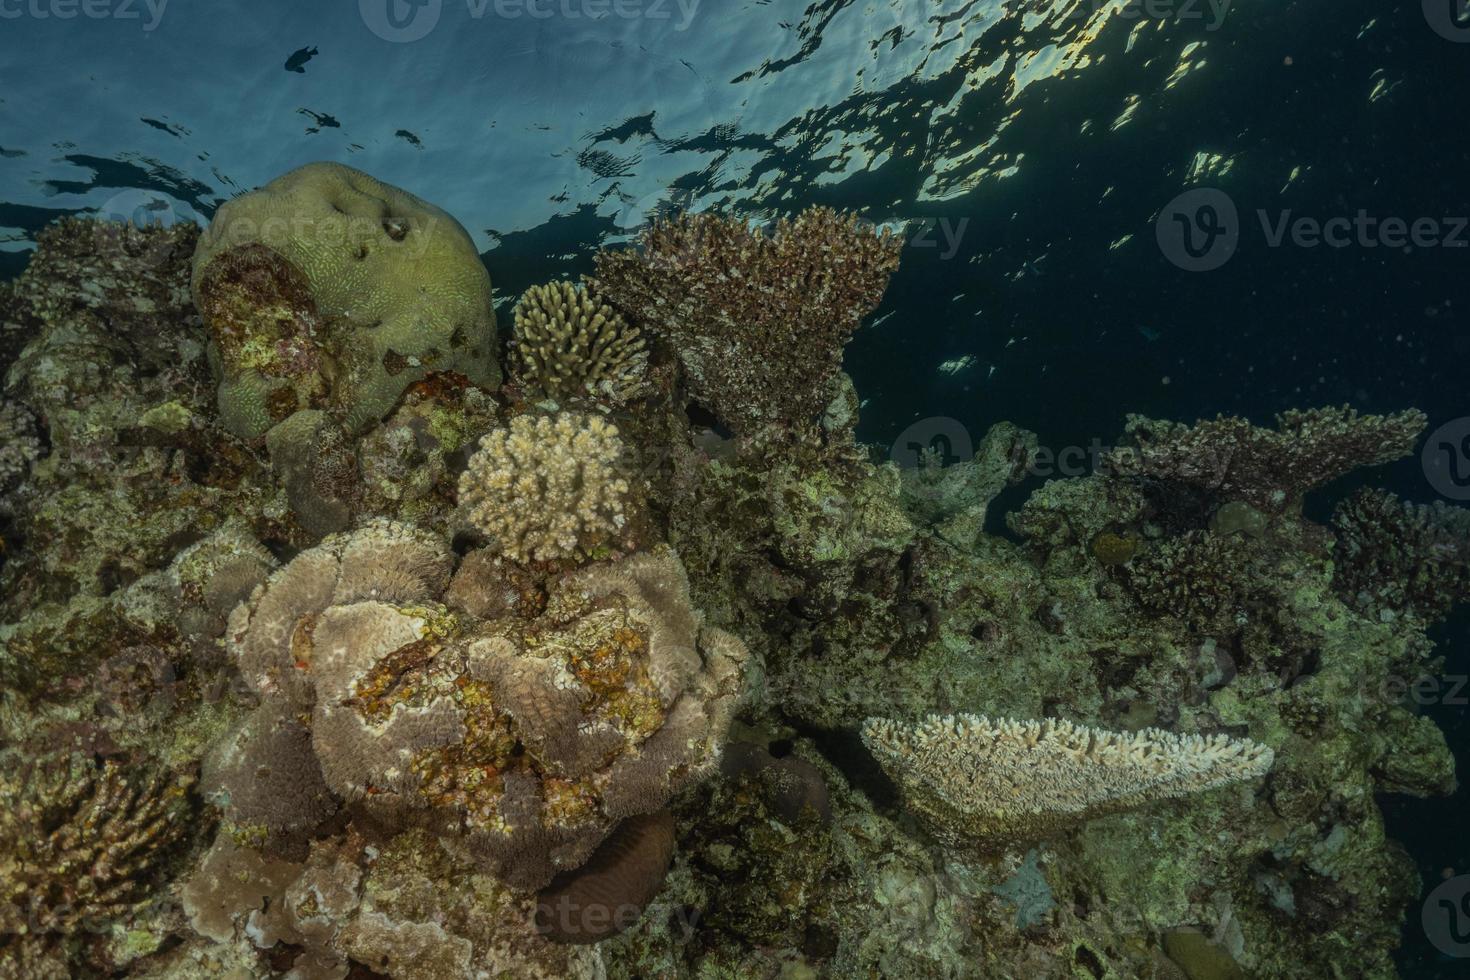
<point x="1028" y="151"/>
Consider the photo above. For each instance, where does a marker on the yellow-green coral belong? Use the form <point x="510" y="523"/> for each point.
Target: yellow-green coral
<point x="329" y="289"/>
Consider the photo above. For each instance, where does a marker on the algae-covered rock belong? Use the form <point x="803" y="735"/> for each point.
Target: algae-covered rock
<point x="329" y="289"/>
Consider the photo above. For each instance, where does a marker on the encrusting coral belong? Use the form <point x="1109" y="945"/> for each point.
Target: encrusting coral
<point x="1000" y="782"/>
<point x="568" y="343"/>
<point x="78" y="843"/>
<point x="329" y="289"/>
<point x="548" y="487"/>
<point x="763" y="347"/>
<point x="1271" y="469"/>
<point x="524" y="739"/>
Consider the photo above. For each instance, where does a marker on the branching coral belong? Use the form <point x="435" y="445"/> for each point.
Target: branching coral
<point x="1398" y="558"/>
<point x="997" y="783"/>
<point x="548" y="487"/>
<point x="525" y="738"/>
<point x="78" y="845"/>
<point x="1229" y="458"/>
<point x="758" y="320"/>
<point x="568" y="343"/>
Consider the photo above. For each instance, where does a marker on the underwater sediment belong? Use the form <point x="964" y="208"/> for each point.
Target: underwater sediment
<point x="331" y="648"/>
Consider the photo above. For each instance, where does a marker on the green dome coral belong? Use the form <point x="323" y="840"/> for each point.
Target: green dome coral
<point x="329" y="289"/>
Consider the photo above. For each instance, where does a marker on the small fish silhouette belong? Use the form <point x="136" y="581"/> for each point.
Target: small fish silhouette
<point x="297" y="61"/>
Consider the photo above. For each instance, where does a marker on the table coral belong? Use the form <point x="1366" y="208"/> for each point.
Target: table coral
<point x="999" y="783"/>
<point x="758" y="320"/>
<point x="1271" y="469"/>
<point x="329" y="289"/>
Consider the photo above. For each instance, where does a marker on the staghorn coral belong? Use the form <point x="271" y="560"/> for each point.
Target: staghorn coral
<point x="759" y="321"/>
<point x="1395" y="558"/>
<point x="1228" y="458"/>
<point x="548" y="487"/>
<point x="568" y="343"/>
<point x="79" y="846"/>
<point x="329" y="289"/>
<point x="1003" y="782"/>
<point x="523" y="739"/>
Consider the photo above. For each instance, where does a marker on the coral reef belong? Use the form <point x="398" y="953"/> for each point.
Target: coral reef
<point x="548" y="487"/>
<point x="1271" y="469"/>
<point x="331" y="290"/>
<point x="761" y="348"/>
<point x="431" y="698"/>
<point x="570" y="344"/>
<point x="19" y="445"/>
<point x="77" y="844"/>
<point x="1003" y="782"/>
<point x="1395" y="558"/>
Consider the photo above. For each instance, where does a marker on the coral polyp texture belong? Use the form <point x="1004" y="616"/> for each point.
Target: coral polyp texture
<point x="548" y="487"/>
<point x="78" y="845"/>
<point x="1396" y="558"/>
<point x="570" y="344"/>
<point x="1272" y="469"/>
<point x="758" y="320"/>
<point x="522" y="739"/>
<point x="329" y="289"/>
<point x="1002" y="782"/>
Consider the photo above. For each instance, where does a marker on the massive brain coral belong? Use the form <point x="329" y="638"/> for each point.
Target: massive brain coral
<point x="520" y="739"/>
<point x="329" y="289"/>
